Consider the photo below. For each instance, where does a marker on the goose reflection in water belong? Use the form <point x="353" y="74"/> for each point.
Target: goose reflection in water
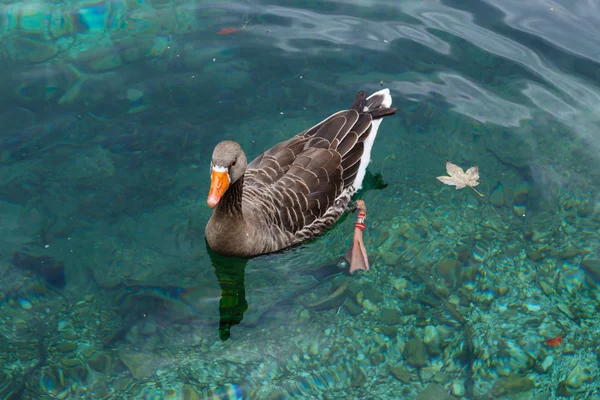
<point x="230" y="273"/>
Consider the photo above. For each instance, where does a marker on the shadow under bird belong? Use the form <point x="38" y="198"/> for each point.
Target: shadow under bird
<point x="297" y="189"/>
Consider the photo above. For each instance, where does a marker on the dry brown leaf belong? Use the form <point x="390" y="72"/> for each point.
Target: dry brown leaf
<point x="459" y="178"/>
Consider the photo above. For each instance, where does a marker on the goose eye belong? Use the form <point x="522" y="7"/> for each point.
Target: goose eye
<point x="233" y="163"/>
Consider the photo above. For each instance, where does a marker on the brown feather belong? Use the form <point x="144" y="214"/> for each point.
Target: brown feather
<point x="332" y="163"/>
<point x="330" y="130"/>
<point x="311" y="131"/>
<point x="347" y="144"/>
<point x="359" y="101"/>
<point x="363" y="124"/>
<point x="322" y="174"/>
<point x="353" y="156"/>
<point x="350" y="173"/>
<point x="317" y="142"/>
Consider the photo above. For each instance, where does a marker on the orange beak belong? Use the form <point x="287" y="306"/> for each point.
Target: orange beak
<point x="219" y="182"/>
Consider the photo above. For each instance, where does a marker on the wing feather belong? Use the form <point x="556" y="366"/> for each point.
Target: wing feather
<point x="300" y="179"/>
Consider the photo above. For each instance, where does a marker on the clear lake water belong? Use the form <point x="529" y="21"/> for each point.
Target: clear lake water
<point x="109" y="113"/>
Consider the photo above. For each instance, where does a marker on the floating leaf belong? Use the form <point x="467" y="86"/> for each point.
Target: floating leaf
<point x="459" y="178"/>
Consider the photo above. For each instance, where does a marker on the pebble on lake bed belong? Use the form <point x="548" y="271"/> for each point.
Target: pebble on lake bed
<point x="458" y="388"/>
<point x="26" y="304"/>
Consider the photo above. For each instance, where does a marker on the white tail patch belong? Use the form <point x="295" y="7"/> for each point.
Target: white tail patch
<point x="366" y="158"/>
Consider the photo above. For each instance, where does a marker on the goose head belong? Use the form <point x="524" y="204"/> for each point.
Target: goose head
<point x="228" y="164"/>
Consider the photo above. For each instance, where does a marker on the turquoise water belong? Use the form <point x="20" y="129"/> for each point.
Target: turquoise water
<point x="109" y="112"/>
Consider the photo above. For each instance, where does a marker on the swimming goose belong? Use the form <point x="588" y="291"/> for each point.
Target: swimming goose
<point x="297" y="189"/>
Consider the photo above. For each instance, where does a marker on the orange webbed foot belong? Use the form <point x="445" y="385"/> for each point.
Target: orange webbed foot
<point x="357" y="255"/>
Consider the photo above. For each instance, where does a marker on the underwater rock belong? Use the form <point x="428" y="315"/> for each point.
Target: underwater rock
<point x="66" y="347"/>
<point x="70" y="362"/>
<point x="434" y="391"/>
<point x="502" y="288"/>
<point x="571" y="277"/>
<point x="359" y="378"/>
<point x="134" y="95"/>
<point x="140" y="365"/>
<point x="9" y="386"/>
<point x="14" y="121"/>
<point x="547" y="363"/>
<point x="352" y="307"/>
<point x="29" y="50"/>
<point x="313" y="348"/>
<point x="547" y="288"/>
<point x="415" y="353"/>
<point x="511" y="385"/>
<point x="46" y="267"/>
<point x="390" y="316"/>
<point x="390" y="331"/>
<point x="147" y="327"/>
<point x="26" y="304"/>
<point x="440" y="376"/>
<point x="426" y="374"/>
<point x="52" y="381"/>
<point x="535" y="254"/>
<point x="370" y="292"/>
<point x="103" y="63"/>
<point x="390" y="258"/>
<point x="449" y="269"/>
<point x="562" y="390"/>
<point x="400" y="373"/>
<point x="93" y="164"/>
<point x="577" y="377"/>
<point x="400" y="284"/>
<point x="136" y="101"/>
<point x="304" y="316"/>
<point x="99" y="362"/>
<point x="520" y="199"/>
<point x="509" y="147"/>
<point x="432" y="339"/>
<point x="592" y="267"/>
<point x="568" y="253"/>
<point x="509" y="195"/>
<point x="497" y="195"/>
<point x="458" y="388"/>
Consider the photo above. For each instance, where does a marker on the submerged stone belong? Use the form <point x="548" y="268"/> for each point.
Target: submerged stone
<point x="390" y="331"/>
<point x="140" y="365"/>
<point x="390" y="316"/>
<point x="99" y="362"/>
<point x="434" y="391"/>
<point x="400" y="373"/>
<point x="497" y="195"/>
<point x="47" y="267"/>
<point x="26" y="304"/>
<point x="577" y="377"/>
<point x="31" y="50"/>
<point x="415" y="353"/>
<point x="449" y="269"/>
<point x="352" y="307"/>
<point x="520" y="200"/>
<point x="432" y="339"/>
<point x="592" y="268"/>
<point x="568" y="253"/>
<point x="511" y="385"/>
<point x="66" y="347"/>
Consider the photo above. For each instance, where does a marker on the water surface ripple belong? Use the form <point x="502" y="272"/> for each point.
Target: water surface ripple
<point x="110" y="110"/>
